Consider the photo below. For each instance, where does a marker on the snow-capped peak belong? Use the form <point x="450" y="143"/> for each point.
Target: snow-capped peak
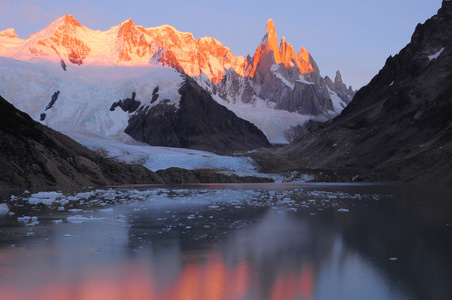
<point x="8" y="33"/>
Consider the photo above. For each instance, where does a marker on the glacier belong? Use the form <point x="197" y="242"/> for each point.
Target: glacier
<point x="82" y="110"/>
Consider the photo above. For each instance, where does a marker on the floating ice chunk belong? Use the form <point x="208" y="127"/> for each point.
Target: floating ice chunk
<point x="393" y="258"/>
<point x="121" y="218"/>
<point x="75" y="210"/>
<point x="67" y="235"/>
<point x="32" y="223"/>
<point x="44" y="197"/>
<point x="343" y="210"/>
<point x="81" y="219"/>
<point x="57" y="221"/>
<point x="4" y="209"/>
<point x="106" y="209"/>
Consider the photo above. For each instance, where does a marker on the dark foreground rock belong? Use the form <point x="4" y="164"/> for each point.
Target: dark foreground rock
<point x="399" y="126"/>
<point x="33" y="155"/>
<point x="198" y="123"/>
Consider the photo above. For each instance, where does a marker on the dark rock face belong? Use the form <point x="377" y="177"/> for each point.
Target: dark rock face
<point x="128" y="105"/>
<point x="307" y="99"/>
<point x="399" y="126"/>
<point x="199" y="123"/>
<point x="53" y="100"/>
<point x="63" y="65"/>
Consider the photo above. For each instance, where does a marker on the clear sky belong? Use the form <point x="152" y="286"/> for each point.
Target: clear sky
<point x="354" y="37"/>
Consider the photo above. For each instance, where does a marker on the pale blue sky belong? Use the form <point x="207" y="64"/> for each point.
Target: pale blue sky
<point x="354" y="37"/>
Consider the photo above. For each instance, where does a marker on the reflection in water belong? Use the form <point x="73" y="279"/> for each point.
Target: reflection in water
<point x="310" y="243"/>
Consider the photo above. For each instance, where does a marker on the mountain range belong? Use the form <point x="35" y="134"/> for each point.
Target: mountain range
<point x="163" y="87"/>
<point x="275" y="78"/>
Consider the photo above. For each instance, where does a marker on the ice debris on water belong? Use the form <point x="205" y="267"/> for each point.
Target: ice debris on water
<point x="121" y="218"/>
<point x="4" y="209"/>
<point x="81" y="219"/>
<point x="101" y="201"/>
<point x="393" y="258"/>
<point x="45" y="197"/>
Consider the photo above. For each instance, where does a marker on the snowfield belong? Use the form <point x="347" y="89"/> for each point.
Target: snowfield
<point x="86" y="93"/>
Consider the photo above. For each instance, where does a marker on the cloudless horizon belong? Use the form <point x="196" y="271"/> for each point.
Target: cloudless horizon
<point x="355" y="37"/>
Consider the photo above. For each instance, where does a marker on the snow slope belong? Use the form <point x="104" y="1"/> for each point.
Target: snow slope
<point x="86" y="94"/>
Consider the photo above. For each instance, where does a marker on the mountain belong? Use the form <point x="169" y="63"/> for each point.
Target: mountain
<point x="275" y="78"/>
<point x="33" y="155"/>
<point x="283" y="80"/>
<point x="199" y="122"/>
<point x="399" y="126"/>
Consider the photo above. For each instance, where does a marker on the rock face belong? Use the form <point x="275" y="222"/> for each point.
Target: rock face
<point x="199" y="123"/>
<point x="129" y="104"/>
<point x="399" y="126"/>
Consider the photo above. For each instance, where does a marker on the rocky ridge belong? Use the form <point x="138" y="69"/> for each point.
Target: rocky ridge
<point x="399" y="126"/>
<point x="283" y="80"/>
<point x="274" y="74"/>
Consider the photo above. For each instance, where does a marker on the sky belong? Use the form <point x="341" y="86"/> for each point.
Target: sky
<point x="355" y="37"/>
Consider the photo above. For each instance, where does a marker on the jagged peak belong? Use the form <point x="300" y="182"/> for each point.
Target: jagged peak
<point x="283" y="39"/>
<point x="10" y="33"/>
<point x="303" y="54"/>
<point x="271" y="40"/>
<point x="270" y="26"/>
<point x="70" y="20"/>
<point x="167" y="28"/>
<point x="128" y="22"/>
<point x="338" y="77"/>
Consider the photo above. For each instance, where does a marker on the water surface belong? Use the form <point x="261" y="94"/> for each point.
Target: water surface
<point x="261" y="241"/>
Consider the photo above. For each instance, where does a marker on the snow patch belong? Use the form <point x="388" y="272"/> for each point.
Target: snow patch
<point x="338" y="103"/>
<point x="435" y="56"/>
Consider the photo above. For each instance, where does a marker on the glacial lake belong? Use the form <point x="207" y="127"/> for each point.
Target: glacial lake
<point x="230" y="241"/>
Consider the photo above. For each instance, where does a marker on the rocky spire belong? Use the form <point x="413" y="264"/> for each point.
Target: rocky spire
<point x="271" y="40"/>
<point x="287" y="54"/>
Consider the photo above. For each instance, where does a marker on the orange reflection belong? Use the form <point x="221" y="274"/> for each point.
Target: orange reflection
<point x="211" y="279"/>
<point x="288" y="286"/>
